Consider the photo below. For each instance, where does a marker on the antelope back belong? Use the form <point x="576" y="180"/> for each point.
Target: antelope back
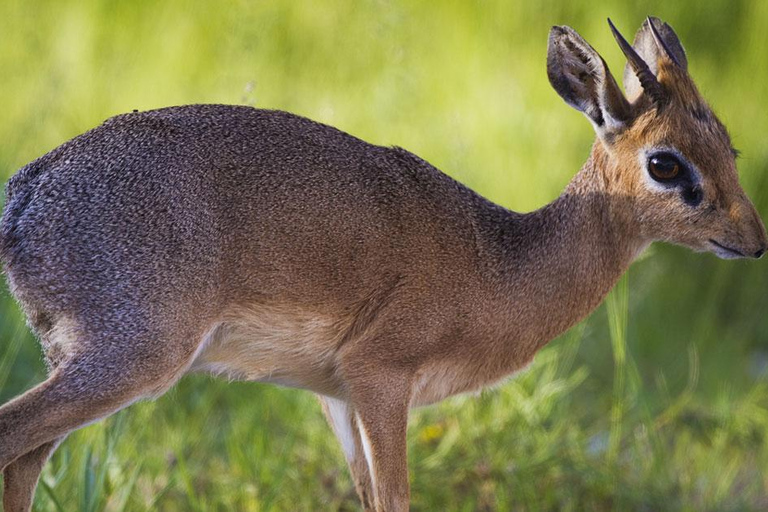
<point x="211" y="204"/>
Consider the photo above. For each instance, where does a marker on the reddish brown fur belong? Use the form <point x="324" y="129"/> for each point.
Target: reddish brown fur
<point x="687" y="123"/>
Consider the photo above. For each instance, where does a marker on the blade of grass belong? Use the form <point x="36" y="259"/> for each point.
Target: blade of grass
<point x="618" y="311"/>
<point x="52" y="495"/>
<point x="89" y="480"/>
<point x="127" y="490"/>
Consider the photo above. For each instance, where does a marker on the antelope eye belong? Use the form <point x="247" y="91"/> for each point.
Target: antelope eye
<point x="664" y="167"/>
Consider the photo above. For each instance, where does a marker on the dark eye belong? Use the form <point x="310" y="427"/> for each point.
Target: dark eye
<point x="664" y="167"/>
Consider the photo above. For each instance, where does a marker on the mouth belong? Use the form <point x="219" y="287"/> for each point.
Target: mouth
<point x="725" y="252"/>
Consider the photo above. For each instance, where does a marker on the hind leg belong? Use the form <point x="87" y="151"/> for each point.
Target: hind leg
<point x="76" y="395"/>
<point x="66" y="401"/>
<point x="21" y="476"/>
<point x="101" y="376"/>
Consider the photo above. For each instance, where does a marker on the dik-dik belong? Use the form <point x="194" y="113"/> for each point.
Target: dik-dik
<point x="263" y="246"/>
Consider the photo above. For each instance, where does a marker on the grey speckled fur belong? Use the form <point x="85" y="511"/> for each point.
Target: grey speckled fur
<point x="182" y="204"/>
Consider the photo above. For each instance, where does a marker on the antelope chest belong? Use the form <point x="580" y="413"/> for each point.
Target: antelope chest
<point x="443" y="379"/>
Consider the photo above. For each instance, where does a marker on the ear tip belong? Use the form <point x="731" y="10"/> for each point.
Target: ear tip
<point x="655" y="23"/>
<point x="559" y="32"/>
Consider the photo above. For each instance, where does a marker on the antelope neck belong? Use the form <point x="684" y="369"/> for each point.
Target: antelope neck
<point x="551" y="267"/>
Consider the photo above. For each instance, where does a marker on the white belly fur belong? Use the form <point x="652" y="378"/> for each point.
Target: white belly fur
<point x="299" y="349"/>
<point x="274" y="344"/>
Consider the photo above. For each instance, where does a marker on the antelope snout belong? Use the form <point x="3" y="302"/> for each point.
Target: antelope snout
<point x="740" y="233"/>
<point x="754" y="241"/>
<point x="763" y="244"/>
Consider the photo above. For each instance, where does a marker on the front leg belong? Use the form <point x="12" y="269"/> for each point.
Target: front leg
<point x="342" y="419"/>
<point x="381" y="404"/>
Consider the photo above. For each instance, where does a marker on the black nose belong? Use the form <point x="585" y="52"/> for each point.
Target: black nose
<point x="759" y="253"/>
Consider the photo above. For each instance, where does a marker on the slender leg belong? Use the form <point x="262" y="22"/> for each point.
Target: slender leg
<point x="381" y="408"/>
<point x="21" y="476"/>
<point x="102" y="379"/>
<point x="59" y="405"/>
<point x="342" y="419"/>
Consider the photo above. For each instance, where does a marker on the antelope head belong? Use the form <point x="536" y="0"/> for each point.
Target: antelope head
<point x="660" y="146"/>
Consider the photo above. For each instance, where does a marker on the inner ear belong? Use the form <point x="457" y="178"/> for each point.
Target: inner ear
<point x="581" y="77"/>
<point x="651" y="51"/>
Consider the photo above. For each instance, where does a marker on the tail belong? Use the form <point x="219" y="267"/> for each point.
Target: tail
<point x="9" y="236"/>
<point x="18" y="194"/>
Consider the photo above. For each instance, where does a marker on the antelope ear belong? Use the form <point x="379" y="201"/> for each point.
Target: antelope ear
<point x="581" y="77"/>
<point x="653" y="42"/>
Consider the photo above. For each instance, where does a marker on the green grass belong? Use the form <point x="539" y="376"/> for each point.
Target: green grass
<point x="659" y="401"/>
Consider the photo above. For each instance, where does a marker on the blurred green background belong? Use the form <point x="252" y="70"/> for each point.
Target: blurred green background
<point x="659" y="401"/>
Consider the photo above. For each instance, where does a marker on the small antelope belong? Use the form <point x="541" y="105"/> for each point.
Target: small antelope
<point x="263" y="246"/>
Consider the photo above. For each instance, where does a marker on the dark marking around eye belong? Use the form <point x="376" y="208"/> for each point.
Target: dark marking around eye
<point x="692" y="195"/>
<point x="668" y="170"/>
